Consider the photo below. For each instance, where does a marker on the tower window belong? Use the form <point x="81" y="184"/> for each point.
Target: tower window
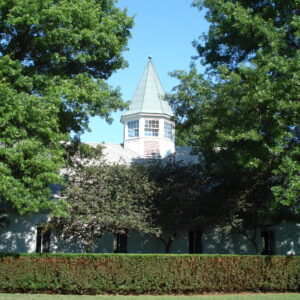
<point x="133" y="128"/>
<point x="151" y="127"/>
<point x="168" y="130"/>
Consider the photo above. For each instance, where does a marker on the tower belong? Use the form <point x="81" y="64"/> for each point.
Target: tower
<point x="148" y="123"/>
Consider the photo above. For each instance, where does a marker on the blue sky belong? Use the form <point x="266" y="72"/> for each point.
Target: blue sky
<point x="163" y="29"/>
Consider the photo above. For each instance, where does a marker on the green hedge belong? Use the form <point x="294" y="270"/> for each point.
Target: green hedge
<point x="154" y="274"/>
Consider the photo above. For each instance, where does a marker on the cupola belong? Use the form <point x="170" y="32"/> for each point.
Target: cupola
<point x="148" y="123"/>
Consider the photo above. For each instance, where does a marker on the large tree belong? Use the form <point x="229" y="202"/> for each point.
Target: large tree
<point x="30" y="150"/>
<point x="71" y="46"/>
<point x="103" y="198"/>
<point x="242" y="30"/>
<point x="55" y="57"/>
<point x="243" y="115"/>
<point x="180" y="199"/>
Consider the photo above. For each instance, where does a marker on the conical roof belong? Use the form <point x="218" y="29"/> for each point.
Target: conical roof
<point x="149" y="95"/>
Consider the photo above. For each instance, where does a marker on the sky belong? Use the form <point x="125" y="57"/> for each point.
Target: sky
<point x="163" y="29"/>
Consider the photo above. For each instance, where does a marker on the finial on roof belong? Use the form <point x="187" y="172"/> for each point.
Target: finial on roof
<point x="150" y="57"/>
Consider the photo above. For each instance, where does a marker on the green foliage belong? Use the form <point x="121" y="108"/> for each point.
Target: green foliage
<point x="244" y="115"/>
<point x="258" y="296"/>
<point x="179" y="200"/>
<point x="144" y="274"/>
<point x="189" y="100"/>
<point x="30" y="151"/>
<point x="105" y="198"/>
<point x="70" y="46"/>
<point x="54" y="59"/>
<point x="241" y="30"/>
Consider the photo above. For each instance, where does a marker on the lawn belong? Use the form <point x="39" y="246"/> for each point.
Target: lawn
<point x="104" y="297"/>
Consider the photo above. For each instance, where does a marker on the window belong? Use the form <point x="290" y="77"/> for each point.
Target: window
<point x="133" y="128"/>
<point x="151" y="127"/>
<point x="195" y="241"/>
<point x="120" y="243"/>
<point x="42" y="240"/>
<point x="168" y="130"/>
<point x="267" y="239"/>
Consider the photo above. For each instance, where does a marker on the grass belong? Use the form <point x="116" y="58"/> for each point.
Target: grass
<point x="146" y="297"/>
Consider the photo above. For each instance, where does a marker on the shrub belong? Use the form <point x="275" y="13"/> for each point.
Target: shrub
<point x="155" y="274"/>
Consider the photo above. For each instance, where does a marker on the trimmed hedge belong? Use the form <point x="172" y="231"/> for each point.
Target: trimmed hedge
<point x="152" y="274"/>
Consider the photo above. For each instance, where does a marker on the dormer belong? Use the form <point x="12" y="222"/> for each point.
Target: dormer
<point x="148" y="124"/>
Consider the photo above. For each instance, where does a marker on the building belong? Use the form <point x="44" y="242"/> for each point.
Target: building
<point x="148" y="133"/>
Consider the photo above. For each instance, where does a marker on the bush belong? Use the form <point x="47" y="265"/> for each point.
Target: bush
<point x="154" y="274"/>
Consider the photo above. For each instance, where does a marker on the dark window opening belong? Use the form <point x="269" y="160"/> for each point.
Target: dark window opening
<point x="120" y="243"/>
<point x="195" y="241"/>
<point x="267" y="238"/>
<point x="42" y="240"/>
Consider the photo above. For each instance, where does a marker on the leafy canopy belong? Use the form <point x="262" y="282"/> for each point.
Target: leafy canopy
<point x="180" y="199"/>
<point x="54" y="59"/>
<point x="30" y="150"/>
<point x="104" y="198"/>
<point x="243" y="116"/>
<point x="72" y="45"/>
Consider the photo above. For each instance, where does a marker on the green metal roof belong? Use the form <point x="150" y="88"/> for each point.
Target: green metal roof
<point x="149" y="95"/>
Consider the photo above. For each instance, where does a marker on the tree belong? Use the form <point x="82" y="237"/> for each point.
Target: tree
<point x="69" y="47"/>
<point x="30" y="150"/>
<point x="241" y="31"/>
<point x="248" y="206"/>
<point x="180" y="200"/>
<point x="54" y="59"/>
<point x="105" y="198"/>
<point x="243" y="115"/>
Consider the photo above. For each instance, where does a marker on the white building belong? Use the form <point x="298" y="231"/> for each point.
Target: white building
<point x="148" y="133"/>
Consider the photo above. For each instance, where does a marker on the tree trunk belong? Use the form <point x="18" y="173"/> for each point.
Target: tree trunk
<point x="168" y="242"/>
<point x="90" y="243"/>
<point x="168" y="245"/>
<point x="255" y="246"/>
<point x="251" y="239"/>
<point x="89" y="247"/>
<point x="254" y="242"/>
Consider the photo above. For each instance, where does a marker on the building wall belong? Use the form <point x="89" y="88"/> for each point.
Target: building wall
<point x="287" y="239"/>
<point x="216" y="242"/>
<point x="102" y="245"/>
<point x="20" y="236"/>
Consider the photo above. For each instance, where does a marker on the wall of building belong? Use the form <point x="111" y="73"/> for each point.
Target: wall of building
<point x="215" y="241"/>
<point x="287" y="239"/>
<point x="21" y="233"/>
<point x="102" y="245"/>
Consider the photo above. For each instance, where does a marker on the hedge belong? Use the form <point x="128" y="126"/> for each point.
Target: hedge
<point x="151" y="274"/>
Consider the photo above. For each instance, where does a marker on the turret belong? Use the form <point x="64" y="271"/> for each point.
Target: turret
<point x="148" y="123"/>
